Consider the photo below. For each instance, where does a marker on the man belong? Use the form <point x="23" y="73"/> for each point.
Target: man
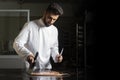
<point x="40" y="36"/>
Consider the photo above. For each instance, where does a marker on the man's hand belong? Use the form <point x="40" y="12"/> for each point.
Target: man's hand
<point x="59" y="58"/>
<point x="30" y="59"/>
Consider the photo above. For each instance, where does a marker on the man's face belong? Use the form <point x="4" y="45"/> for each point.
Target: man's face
<point x="49" y="19"/>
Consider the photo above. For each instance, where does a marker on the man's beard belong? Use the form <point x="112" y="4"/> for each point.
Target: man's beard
<point x="46" y="24"/>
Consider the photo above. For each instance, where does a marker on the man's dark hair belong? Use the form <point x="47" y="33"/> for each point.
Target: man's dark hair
<point x="55" y="8"/>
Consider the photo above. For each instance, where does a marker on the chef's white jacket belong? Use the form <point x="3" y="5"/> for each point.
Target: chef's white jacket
<point x="36" y="37"/>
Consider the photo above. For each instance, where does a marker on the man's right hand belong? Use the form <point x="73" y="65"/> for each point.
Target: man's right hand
<point x="30" y="59"/>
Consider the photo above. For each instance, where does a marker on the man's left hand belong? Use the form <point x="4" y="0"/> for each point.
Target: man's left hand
<point x="59" y="58"/>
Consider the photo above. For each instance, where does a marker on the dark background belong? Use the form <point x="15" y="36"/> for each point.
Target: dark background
<point x="79" y="44"/>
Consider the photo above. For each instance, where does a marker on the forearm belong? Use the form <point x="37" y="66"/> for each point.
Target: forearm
<point x="21" y="50"/>
<point x="55" y="51"/>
